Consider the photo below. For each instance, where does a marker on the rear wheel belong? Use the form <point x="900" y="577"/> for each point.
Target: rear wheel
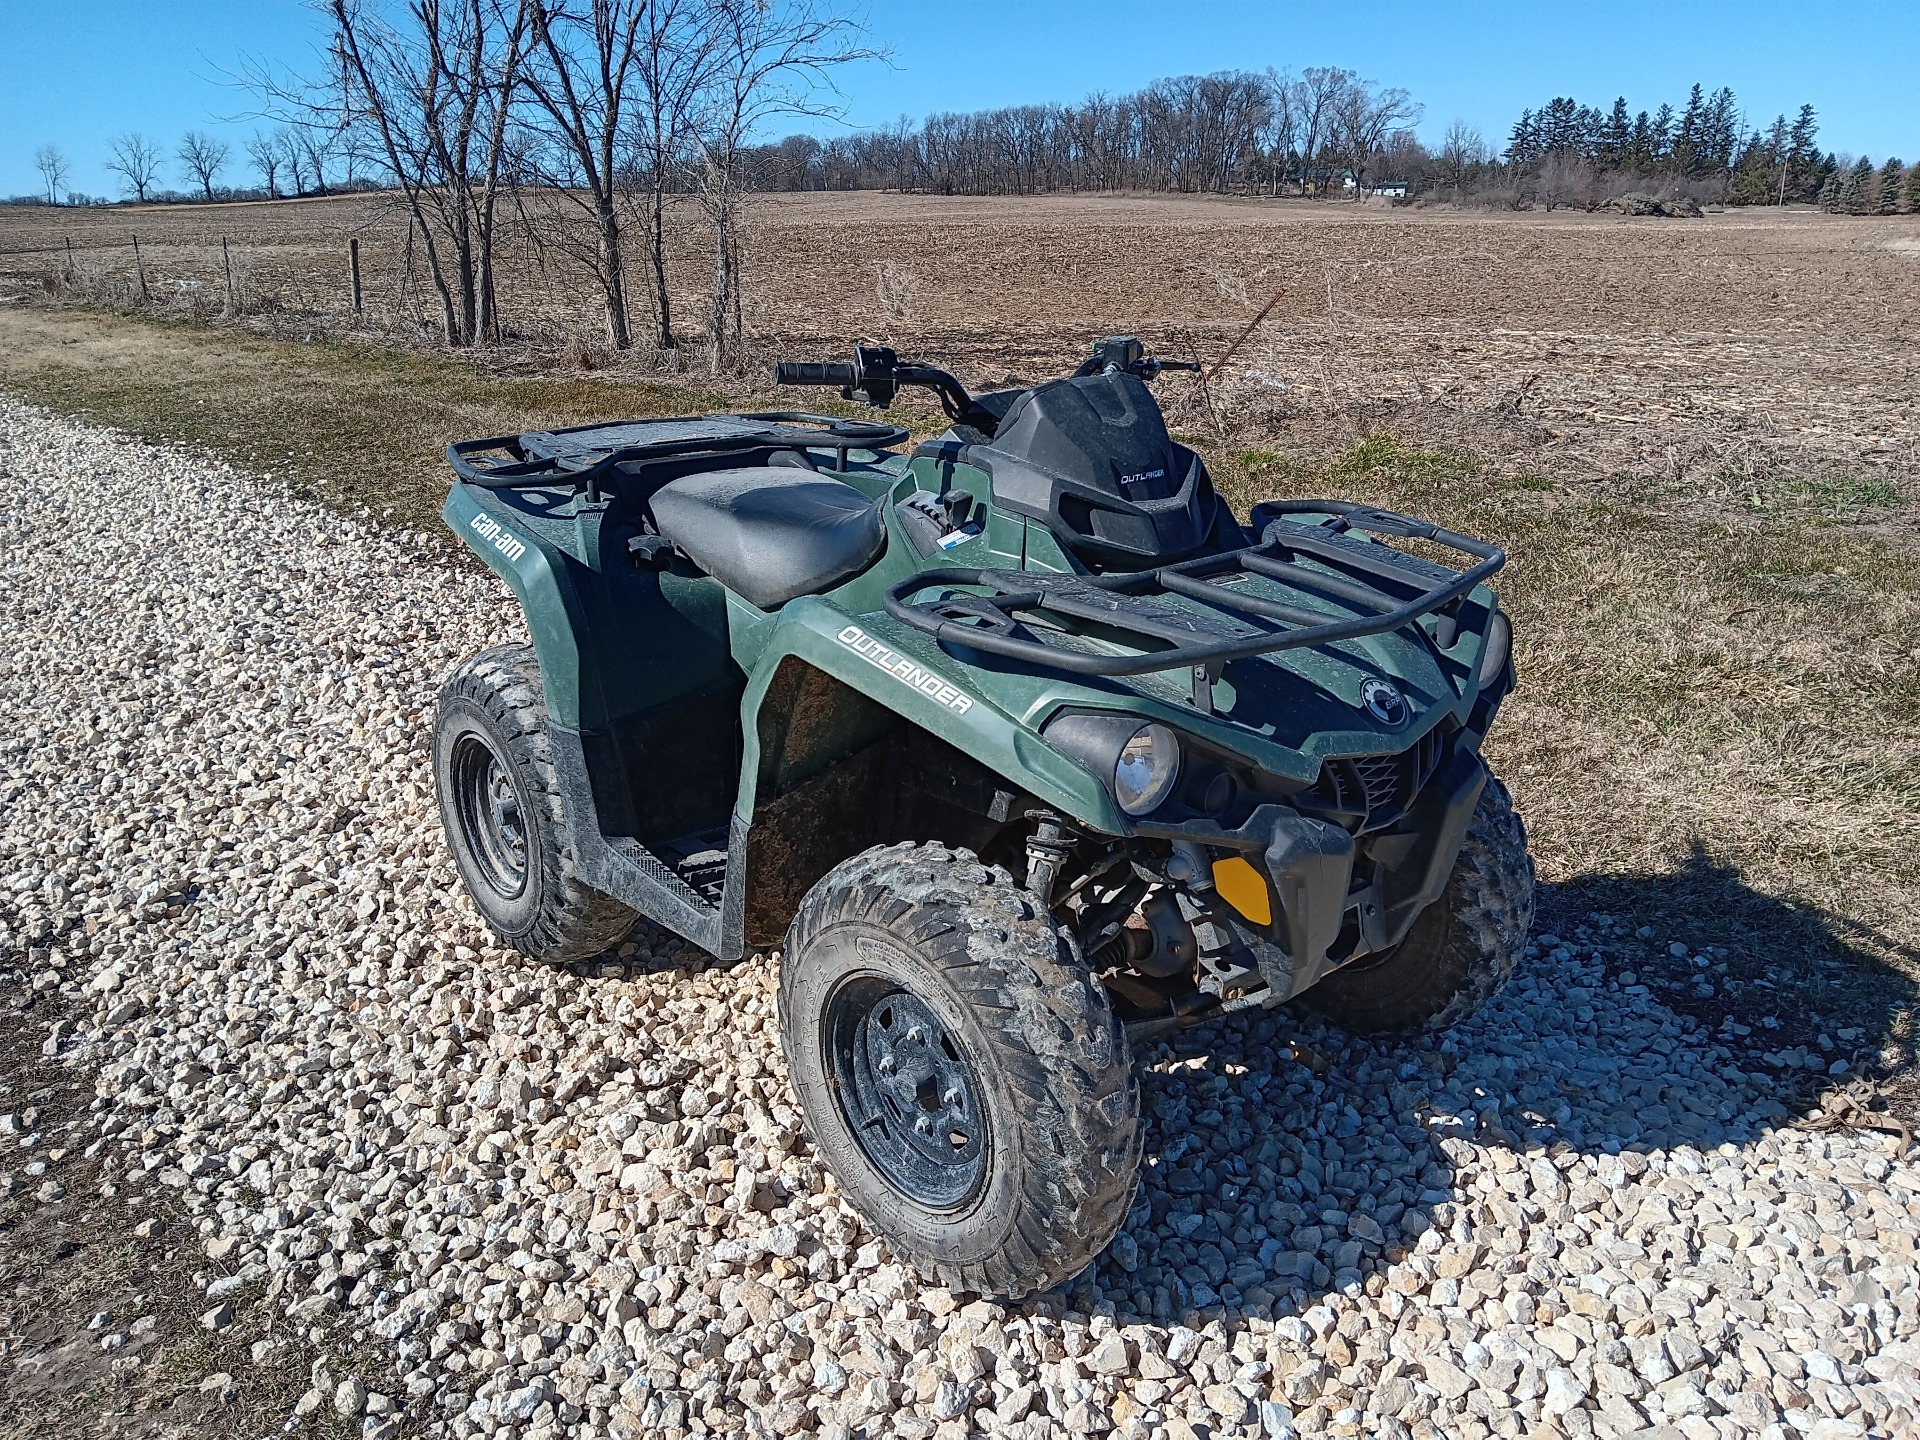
<point x="505" y="821"/>
<point x="1461" y="948"/>
<point x="961" y="1073"/>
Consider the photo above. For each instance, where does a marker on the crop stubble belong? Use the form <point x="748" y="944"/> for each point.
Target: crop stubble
<point x="1616" y="343"/>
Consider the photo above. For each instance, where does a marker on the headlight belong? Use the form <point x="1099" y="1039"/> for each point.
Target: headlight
<point x="1496" y="649"/>
<point x="1139" y="763"/>
<point x="1149" y="764"/>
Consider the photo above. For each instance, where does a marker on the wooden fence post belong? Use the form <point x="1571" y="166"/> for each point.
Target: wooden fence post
<point x="140" y="270"/>
<point x="353" y="270"/>
<point x="226" y="268"/>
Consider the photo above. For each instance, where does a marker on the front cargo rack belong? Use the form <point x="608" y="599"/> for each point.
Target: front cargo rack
<point x="1397" y="587"/>
<point x="588" y="454"/>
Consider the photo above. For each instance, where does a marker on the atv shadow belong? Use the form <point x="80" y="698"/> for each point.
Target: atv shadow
<point x="1270" y="1181"/>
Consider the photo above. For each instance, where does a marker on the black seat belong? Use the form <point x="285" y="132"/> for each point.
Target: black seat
<point x="771" y="534"/>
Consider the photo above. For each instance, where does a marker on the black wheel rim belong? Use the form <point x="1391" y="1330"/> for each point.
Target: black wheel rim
<point x="491" y="823"/>
<point x="907" y="1090"/>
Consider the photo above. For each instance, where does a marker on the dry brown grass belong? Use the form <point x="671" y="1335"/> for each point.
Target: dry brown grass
<point x="1697" y="440"/>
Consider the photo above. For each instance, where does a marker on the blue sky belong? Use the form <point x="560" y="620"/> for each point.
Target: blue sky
<point x="78" y="74"/>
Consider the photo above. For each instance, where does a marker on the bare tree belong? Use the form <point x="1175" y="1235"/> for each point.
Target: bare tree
<point x="1363" y="118"/>
<point x="263" y="153"/>
<point x="677" y="48"/>
<point x="1565" y="178"/>
<point x="1463" y="150"/>
<point x="319" y="145"/>
<point x="579" y="66"/>
<point x="1315" y="96"/>
<point x="1283" y="123"/>
<point x="769" y="58"/>
<point x="203" y="158"/>
<point x="293" y="156"/>
<point x="52" y="166"/>
<point x="136" y="160"/>
<point x="423" y="95"/>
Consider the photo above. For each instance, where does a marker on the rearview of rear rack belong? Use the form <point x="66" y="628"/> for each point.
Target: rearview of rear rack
<point x="1397" y="587"/>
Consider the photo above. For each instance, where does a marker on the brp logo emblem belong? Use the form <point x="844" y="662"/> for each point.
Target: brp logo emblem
<point x="1383" y="701"/>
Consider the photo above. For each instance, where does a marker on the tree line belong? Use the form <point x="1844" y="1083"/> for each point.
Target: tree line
<point x="574" y="125"/>
<point x="1266" y="132"/>
<point x="1330" y="133"/>
<point x="1574" y="148"/>
<point x="291" y="162"/>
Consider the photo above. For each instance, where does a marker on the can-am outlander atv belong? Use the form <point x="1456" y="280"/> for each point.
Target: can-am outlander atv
<point x="1020" y="744"/>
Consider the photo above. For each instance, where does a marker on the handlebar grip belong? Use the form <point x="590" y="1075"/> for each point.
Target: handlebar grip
<point x="811" y="372"/>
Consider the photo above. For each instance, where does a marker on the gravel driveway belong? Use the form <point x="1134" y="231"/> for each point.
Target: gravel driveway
<point x="579" y="1202"/>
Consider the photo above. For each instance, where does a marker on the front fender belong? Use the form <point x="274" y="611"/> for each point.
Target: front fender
<point x="906" y="673"/>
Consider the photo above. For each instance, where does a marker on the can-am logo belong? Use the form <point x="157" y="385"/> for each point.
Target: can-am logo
<point x="496" y="535"/>
<point x="884" y="657"/>
<point x="1383" y="701"/>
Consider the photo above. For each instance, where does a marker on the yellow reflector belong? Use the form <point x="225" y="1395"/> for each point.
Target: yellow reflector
<point x="1244" y="888"/>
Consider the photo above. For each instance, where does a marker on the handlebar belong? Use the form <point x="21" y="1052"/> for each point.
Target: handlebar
<point x="877" y="374"/>
<point x="811" y="372"/>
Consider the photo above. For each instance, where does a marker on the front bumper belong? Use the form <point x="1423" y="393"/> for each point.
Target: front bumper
<point x="1338" y="897"/>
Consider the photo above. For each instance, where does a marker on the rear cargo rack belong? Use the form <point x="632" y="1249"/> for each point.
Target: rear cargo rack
<point x="1397" y="587"/>
<point x="588" y="454"/>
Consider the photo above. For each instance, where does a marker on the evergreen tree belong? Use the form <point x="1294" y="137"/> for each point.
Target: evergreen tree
<point x="1856" y="188"/>
<point x="1913" y="190"/>
<point x="1616" y="136"/>
<point x="1558" y="127"/>
<point x="1888" y="202"/>
<point x="1660" y="138"/>
<point x="1640" y="147"/>
<point x="1830" y="193"/>
<point x="1719" y="133"/>
<point x="1756" y="174"/>
<point x="1803" y="156"/>
<point x="1523" y="146"/>
<point x="1687" y="140"/>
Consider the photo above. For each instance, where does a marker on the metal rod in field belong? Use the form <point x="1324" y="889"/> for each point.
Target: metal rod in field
<point x="226" y="267"/>
<point x="353" y="270"/>
<point x="1241" y="338"/>
<point x="140" y="270"/>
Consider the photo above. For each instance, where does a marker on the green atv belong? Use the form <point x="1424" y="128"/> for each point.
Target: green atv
<point x="1022" y="747"/>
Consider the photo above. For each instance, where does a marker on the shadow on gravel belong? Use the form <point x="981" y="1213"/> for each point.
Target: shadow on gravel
<point x="1653" y="1013"/>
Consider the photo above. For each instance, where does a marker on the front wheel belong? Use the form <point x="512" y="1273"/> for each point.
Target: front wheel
<point x="1460" y="949"/>
<point x="960" y="1071"/>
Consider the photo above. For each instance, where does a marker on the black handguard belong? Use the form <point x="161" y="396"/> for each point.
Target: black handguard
<point x="812" y="372"/>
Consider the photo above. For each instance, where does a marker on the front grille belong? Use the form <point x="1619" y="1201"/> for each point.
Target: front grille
<point x="1371" y="792"/>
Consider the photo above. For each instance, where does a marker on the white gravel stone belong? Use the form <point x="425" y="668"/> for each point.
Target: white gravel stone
<point x="580" y="1202"/>
<point x="349" y="1398"/>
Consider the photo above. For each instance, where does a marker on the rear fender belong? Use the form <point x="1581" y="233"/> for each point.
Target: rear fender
<point x="545" y="582"/>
